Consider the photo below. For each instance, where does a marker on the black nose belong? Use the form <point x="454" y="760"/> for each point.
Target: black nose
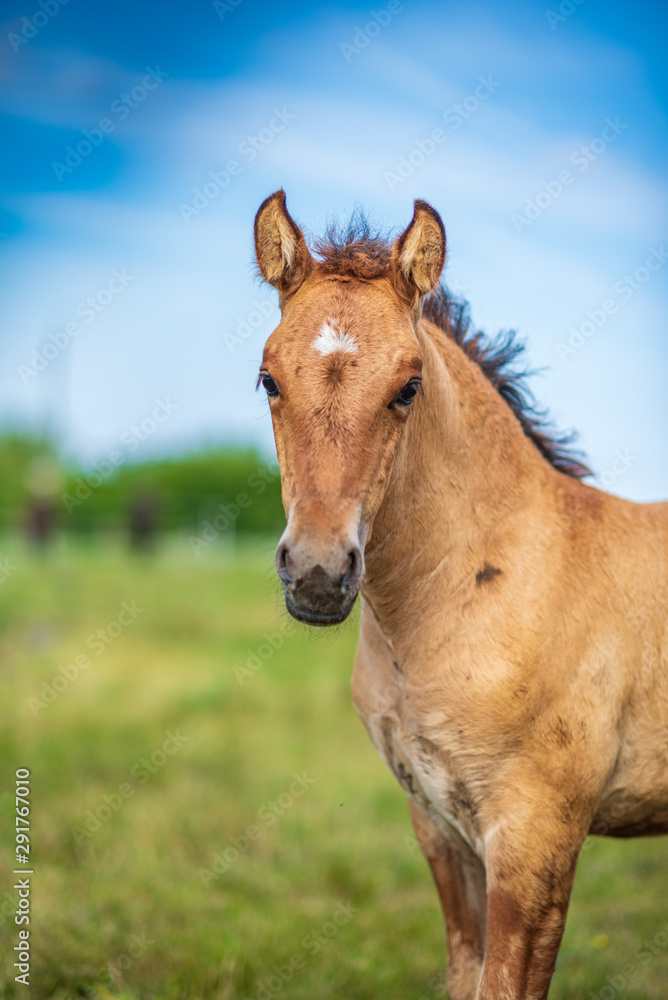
<point x="320" y="588"/>
<point x="288" y="572"/>
<point x="317" y="590"/>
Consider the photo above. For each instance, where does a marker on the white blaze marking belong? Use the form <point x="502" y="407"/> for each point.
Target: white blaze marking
<point x="331" y="339"/>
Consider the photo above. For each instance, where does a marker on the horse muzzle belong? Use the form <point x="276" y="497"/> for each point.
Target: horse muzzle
<point x="320" y="584"/>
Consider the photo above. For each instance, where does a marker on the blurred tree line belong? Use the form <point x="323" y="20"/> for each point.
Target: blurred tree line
<point x="206" y="493"/>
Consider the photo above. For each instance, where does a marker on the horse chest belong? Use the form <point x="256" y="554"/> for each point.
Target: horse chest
<point x="433" y="780"/>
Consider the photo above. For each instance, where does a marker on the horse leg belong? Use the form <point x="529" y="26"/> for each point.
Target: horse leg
<point x="530" y="874"/>
<point x="460" y="881"/>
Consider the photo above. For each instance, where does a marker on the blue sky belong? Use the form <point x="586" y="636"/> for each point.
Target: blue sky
<point x="538" y="130"/>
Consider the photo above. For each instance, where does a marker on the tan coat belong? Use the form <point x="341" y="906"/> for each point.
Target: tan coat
<point x="512" y="668"/>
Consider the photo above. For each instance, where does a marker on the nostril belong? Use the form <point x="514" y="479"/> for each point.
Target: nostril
<point x="354" y="563"/>
<point x="282" y="566"/>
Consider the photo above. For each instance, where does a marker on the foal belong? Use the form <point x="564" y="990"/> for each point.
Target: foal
<point x="512" y="668"/>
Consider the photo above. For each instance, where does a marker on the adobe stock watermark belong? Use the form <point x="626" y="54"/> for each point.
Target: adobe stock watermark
<point x="7" y="908"/>
<point x="625" y="288"/>
<point x="7" y="569"/>
<point x="267" y="816"/>
<point x="223" y="7"/>
<point x="112" y="973"/>
<point x="130" y="441"/>
<point x="644" y="954"/>
<point x="31" y="26"/>
<point x="620" y="465"/>
<point x="227" y="514"/>
<point x="255" y="658"/>
<point x="317" y="940"/>
<point x="248" y="150"/>
<point x="87" y="311"/>
<point x="565" y="9"/>
<point x="141" y="773"/>
<point x="582" y="158"/>
<point x="246" y="327"/>
<point x="98" y="642"/>
<point x="120" y="109"/>
<point x="454" y="117"/>
<point x="412" y="844"/>
<point x="378" y="20"/>
<point x="438" y="986"/>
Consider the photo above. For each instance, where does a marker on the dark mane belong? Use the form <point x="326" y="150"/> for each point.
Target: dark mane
<point x="355" y="251"/>
<point x="496" y="358"/>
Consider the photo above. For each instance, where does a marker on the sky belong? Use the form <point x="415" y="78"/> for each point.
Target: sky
<point x="139" y="140"/>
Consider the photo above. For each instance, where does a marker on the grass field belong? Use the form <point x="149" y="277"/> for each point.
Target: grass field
<point x="209" y="818"/>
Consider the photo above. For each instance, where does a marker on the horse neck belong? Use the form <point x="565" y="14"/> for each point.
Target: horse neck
<point x="464" y="478"/>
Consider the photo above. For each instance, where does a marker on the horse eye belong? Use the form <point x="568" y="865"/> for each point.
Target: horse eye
<point x="408" y="393"/>
<point x="269" y="385"/>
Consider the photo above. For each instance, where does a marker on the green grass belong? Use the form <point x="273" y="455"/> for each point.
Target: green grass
<point x="136" y="884"/>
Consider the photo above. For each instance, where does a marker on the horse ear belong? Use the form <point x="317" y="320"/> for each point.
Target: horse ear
<point x="280" y="248"/>
<point x="419" y="253"/>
